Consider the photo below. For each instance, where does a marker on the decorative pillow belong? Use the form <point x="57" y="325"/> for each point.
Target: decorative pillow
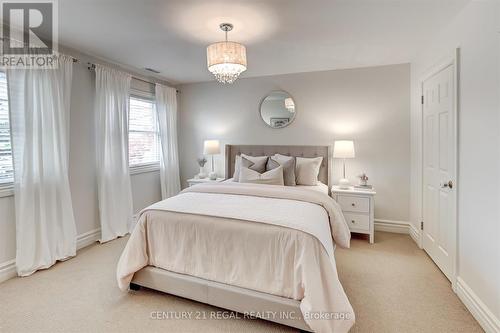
<point x="259" y="162"/>
<point x="307" y="170"/>
<point x="288" y="164"/>
<point x="240" y="162"/>
<point x="271" y="177"/>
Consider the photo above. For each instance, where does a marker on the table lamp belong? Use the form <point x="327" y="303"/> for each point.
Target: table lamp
<point x="344" y="149"/>
<point x="211" y="147"/>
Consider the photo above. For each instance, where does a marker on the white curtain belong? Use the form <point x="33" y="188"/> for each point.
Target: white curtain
<point x="39" y="101"/>
<point x="113" y="176"/>
<point x="166" y="108"/>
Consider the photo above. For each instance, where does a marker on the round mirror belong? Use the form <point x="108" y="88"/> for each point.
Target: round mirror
<point x="278" y="109"/>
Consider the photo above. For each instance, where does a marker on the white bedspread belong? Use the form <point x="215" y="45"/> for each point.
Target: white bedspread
<point x="282" y="212"/>
<point x="272" y="239"/>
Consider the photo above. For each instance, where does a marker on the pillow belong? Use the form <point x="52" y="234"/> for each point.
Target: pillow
<point x="240" y="162"/>
<point x="271" y="177"/>
<point x="288" y="164"/>
<point x="259" y="162"/>
<point x="307" y="170"/>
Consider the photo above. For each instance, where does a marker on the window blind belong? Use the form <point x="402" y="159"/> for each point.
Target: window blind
<point x="144" y="144"/>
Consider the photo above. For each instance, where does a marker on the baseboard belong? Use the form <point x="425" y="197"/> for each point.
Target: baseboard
<point x="479" y="310"/>
<point x="8" y="268"/>
<point x="88" y="238"/>
<point x="415" y="234"/>
<point x="398" y="227"/>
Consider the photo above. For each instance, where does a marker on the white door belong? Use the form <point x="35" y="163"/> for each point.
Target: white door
<point x="439" y="172"/>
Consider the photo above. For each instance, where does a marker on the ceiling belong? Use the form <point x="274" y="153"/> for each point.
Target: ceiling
<point x="281" y="36"/>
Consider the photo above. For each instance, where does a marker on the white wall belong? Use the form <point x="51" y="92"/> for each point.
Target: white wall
<point x="7" y="230"/>
<point x="369" y="105"/>
<point x="82" y="151"/>
<point x="82" y="173"/>
<point x="476" y="30"/>
<point x="146" y="189"/>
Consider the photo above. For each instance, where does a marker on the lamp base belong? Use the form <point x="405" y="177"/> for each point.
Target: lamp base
<point x="212" y="175"/>
<point x="344" y="184"/>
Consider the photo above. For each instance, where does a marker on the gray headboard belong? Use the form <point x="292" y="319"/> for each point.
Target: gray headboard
<point x="303" y="151"/>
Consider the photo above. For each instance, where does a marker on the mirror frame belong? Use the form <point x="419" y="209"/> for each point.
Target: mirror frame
<point x="262" y="101"/>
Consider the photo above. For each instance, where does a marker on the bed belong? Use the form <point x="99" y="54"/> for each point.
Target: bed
<point x="265" y="251"/>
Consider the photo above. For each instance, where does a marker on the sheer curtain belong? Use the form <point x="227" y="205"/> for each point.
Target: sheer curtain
<point x="166" y="108"/>
<point x="113" y="176"/>
<point x="39" y="101"/>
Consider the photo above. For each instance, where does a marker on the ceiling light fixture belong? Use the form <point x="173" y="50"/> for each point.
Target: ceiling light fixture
<point x="226" y="60"/>
<point x="289" y="105"/>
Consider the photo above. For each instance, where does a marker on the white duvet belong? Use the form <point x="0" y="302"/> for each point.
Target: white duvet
<point x="272" y="239"/>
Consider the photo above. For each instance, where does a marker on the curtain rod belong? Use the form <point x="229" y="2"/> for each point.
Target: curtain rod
<point x="91" y="67"/>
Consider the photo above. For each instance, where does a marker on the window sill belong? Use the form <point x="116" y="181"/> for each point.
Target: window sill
<point x="137" y="169"/>
<point x="6" y="191"/>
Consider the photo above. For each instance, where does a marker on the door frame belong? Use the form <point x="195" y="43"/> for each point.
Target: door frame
<point x="454" y="61"/>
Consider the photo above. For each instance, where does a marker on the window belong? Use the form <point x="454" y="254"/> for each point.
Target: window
<point x="6" y="169"/>
<point x="144" y="140"/>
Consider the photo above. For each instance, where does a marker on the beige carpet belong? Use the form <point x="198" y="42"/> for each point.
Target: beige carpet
<point x="392" y="285"/>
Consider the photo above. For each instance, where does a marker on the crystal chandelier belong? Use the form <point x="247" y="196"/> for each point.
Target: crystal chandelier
<point x="226" y="60"/>
<point x="289" y="105"/>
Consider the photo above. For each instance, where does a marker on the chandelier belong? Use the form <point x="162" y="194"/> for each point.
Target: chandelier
<point x="226" y="60"/>
<point x="289" y="104"/>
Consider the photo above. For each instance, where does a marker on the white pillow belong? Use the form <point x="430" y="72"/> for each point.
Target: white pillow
<point x="271" y="177"/>
<point x="240" y="162"/>
<point x="307" y="170"/>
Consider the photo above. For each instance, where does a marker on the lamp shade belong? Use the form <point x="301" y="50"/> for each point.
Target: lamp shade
<point x="226" y="60"/>
<point x="211" y="147"/>
<point x="343" y="149"/>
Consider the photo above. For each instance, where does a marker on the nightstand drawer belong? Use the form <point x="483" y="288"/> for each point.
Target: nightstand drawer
<point x="354" y="204"/>
<point x="357" y="221"/>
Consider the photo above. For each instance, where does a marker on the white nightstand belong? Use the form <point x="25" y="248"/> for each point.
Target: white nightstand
<point x="358" y="208"/>
<point x="194" y="181"/>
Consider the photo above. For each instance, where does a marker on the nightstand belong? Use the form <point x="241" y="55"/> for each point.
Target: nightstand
<point x="194" y="181"/>
<point x="358" y="208"/>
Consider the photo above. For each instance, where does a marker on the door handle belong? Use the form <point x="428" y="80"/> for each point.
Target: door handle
<point x="449" y="185"/>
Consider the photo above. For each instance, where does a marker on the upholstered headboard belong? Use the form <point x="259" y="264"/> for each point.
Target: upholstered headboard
<point x="303" y="151"/>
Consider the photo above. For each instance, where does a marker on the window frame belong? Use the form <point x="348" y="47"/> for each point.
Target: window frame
<point x="7" y="189"/>
<point x="150" y="166"/>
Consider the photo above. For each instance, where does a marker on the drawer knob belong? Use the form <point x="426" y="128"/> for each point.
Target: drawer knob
<point x="352" y="221"/>
<point x="353" y="204"/>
